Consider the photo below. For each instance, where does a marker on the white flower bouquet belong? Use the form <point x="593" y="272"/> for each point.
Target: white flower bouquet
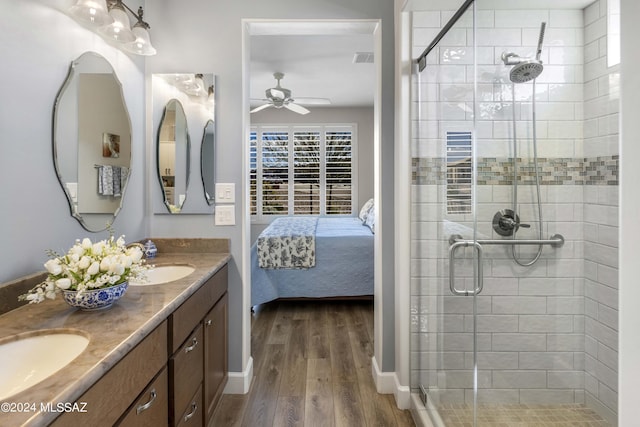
<point x="88" y="266"/>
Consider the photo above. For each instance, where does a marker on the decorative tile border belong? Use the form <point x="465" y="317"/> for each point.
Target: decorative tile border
<point x="499" y="171"/>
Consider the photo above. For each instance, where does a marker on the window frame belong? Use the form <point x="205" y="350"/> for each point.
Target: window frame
<point x="257" y="216"/>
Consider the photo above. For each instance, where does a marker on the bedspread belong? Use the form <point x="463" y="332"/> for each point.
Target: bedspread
<point x="288" y="243"/>
<point x="344" y="266"/>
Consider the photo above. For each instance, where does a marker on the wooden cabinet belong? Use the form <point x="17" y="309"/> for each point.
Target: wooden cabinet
<point x="194" y="414"/>
<point x="151" y="408"/>
<point x="185" y="375"/>
<point x="215" y="354"/>
<point x="174" y="377"/>
<point x="113" y="394"/>
<point x="199" y="324"/>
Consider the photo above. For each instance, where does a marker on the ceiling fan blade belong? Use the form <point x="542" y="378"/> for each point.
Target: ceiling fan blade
<point x="296" y="108"/>
<point x="260" y="108"/>
<point x="313" y="101"/>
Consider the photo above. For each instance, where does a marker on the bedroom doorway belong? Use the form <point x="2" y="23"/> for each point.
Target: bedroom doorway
<point x="283" y="53"/>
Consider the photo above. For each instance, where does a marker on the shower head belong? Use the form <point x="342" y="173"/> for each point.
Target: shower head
<point x="525" y="69"/>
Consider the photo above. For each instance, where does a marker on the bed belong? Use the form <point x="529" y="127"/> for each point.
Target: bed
<point x="342" y="266"/>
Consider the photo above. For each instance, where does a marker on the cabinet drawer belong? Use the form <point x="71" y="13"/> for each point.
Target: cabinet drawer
<point x="152" y="407"/>
<point x="186" y="372"/>
<point x="193" y="414"/>
<point x="122" y="384"/>
<point x="191" y="312"/>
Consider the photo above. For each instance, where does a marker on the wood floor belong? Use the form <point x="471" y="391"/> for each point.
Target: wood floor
<point x="312" y="367"/>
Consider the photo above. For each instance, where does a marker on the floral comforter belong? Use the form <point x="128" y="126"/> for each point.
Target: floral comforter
<point x="288" y="243"/>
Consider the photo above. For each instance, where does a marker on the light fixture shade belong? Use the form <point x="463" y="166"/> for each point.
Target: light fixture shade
<point x="120" y="30"/>
<point x="91" y="12"/>
<point x="142" y="43"/>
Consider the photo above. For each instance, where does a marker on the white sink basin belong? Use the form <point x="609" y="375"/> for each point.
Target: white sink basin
<point x="27" y="359"/>
<point x="164" y="274"/>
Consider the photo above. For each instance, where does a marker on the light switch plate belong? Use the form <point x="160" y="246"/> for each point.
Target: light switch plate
<point x="225" y="193"/>
<point x="225" y="215"/>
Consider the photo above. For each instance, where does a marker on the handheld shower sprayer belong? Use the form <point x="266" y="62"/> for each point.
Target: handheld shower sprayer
<point x="543" y="27"/>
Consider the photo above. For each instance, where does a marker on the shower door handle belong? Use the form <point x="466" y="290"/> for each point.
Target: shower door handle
<point x="452" y="276"/>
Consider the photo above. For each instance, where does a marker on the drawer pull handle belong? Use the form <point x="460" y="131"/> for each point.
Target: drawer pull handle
<point x="209" y="322"/>
<point x="147" y="405"/>
<point x="193" y="345"/>
<point x="194" y="408"/>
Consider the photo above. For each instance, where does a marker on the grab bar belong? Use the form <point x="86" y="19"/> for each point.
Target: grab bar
<point x="556" y="241"/>
<point x="452" y="250"/>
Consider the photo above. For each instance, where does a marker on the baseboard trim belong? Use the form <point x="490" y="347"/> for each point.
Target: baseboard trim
<point x="240" y="382"/>
<point x="387" y="383"/>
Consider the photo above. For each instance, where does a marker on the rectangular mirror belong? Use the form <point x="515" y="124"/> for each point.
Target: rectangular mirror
<point x="184" y="144"/>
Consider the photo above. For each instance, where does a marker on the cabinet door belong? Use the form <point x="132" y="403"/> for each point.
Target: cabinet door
<point x="152" y="407"/>
<point x="215" y="354"/>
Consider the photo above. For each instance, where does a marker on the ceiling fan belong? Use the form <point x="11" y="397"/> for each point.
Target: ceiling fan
<point x="279" y="97"/>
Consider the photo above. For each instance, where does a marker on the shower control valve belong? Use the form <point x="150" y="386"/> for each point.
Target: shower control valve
<point x="506" y="222"/>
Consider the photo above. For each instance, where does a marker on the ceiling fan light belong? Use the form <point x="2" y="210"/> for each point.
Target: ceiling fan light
<point x="91" y="12"/>
<point x="120" y="29"/>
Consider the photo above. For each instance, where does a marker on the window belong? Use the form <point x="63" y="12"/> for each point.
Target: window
<point x="302" y="170"/>
<point x="459" y="172"/>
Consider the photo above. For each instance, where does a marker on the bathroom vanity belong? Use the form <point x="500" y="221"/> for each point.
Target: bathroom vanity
<point x="158" y="357"/>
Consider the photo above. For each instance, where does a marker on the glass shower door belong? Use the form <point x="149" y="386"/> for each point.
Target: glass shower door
<point x="447" y="262"/>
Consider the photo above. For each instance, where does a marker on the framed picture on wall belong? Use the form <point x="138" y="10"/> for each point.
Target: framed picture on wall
<point x="110" y="145"/>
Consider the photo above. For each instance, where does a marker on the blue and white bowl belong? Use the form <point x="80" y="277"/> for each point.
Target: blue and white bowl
<point x="95" y="299"/>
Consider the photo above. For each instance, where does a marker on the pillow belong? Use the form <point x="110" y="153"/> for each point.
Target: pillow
<point x="370" y="221"/>
<point x="364" y="212"/>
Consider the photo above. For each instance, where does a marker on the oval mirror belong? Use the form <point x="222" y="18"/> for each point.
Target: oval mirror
<point x="92" y="141"/>
<point x="207" y="162"/>
<point x="174" y="150"/>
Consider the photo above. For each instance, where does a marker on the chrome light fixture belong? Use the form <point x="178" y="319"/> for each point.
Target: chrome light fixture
<point x="110" y="19"/>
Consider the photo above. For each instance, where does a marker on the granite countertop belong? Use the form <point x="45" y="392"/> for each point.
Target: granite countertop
<point x="112" y="333"/>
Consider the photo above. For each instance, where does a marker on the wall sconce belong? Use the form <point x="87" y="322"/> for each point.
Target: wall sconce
<point x="109" y="18"/>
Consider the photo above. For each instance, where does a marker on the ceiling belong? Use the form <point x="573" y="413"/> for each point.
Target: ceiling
<point x="317" y="61"/>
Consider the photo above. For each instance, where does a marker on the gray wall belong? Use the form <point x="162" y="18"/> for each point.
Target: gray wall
<point x="361" y="116"/>
<point x="35" y="215"/>
<point x="39" y="42"/>
<point x="207" y="36"/>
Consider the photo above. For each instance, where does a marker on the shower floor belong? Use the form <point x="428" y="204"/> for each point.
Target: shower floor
<point x="461" y="415"/>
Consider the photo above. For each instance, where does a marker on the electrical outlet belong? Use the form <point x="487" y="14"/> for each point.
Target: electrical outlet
<point x="225" y="215"/>
<point x="225" y="193"/>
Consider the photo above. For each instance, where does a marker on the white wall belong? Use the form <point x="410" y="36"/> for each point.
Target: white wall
<point x="601" y="201"/>
<point x="38" y="43"/>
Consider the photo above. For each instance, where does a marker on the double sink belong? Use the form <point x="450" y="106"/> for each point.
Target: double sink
<point x="29" y="358"/>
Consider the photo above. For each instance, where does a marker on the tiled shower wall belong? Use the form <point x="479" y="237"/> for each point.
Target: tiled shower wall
<point x="601" y="218"/>
<point x="531" y="320"/>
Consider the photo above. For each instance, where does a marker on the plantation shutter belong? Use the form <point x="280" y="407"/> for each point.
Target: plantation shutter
<point x="459" y="172"/>
<point x="275" y="172"/>
<point x="306" y="172"/>
<point x="338" y="175"/>
<point x="253" y="173"/>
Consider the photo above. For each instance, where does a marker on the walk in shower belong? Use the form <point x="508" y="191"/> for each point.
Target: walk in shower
<point x="514" y="215"/>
